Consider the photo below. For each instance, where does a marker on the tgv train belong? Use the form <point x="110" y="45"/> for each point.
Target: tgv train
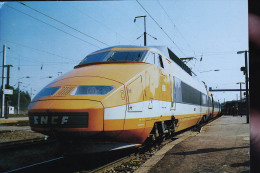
<point x="123" y="95"/>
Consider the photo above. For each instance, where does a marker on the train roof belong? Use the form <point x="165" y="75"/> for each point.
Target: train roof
<point x="164" y="49"/>
<point x="167" y="52"/>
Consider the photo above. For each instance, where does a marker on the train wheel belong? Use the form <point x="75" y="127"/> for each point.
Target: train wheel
<point x="172" y="130"/>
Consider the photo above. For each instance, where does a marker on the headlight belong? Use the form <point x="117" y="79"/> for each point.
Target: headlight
<point x="45" y="92"/>
<point x="93" y="90"/>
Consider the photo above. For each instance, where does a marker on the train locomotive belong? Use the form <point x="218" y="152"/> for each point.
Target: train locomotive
<point x="122" y="95"/>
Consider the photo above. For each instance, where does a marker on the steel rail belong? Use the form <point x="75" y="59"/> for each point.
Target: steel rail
<point x="35" y="164"/>
<point x="130" y="156"/>
<point x="111" y="165"/>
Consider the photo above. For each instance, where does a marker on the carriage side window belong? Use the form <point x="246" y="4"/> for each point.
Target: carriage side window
<point x="210" y="101"/>
<point x="190" y="95"/>
<point x="176" y="91"/>
<point x="204" y="100"/>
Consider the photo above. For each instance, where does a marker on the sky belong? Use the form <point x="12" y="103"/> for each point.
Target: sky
<point x="49" y="38"/>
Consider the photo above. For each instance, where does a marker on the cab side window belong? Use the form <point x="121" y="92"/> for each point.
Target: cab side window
<point x="161" y="61"/>
<point x="150" y="59"/>
<point x="156" y="59"/>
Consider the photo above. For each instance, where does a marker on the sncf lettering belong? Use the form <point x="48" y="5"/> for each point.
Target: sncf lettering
<point x="35" y="118"/>
<point x="64" y="119"/>
<point x="44" y="119"/>
<point x="53" y="119"/>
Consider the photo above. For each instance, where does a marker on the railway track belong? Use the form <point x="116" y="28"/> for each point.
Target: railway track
<point x="128" y="160"/>
<point x="22" y="143"/>
<point x="115" y="160"/>
<point x="29" y="167"/>
<point x="20" y="154"/>
<point x="132" y="162"/>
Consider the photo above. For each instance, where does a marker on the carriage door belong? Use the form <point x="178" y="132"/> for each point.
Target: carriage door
<point x="135" y="95"/>
<point x="209" y="106"/>
<point x="176" y="92"/>
<point x="163" y="80"/>
<point x="173" y="105"/>
<point x="134" y="119"/>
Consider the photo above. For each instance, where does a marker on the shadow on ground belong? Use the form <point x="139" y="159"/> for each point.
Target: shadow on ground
<point x="208" y="150"/>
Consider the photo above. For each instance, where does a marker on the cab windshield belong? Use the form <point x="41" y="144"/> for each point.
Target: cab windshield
<point x="135" y="55"/>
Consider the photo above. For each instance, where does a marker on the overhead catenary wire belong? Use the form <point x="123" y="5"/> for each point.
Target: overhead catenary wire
<point x="63" y="23"/>
<point x="204" y="53"/>
<point x="175" y="26"/>
<point x="51" y="25"/>
<point x="219" y="53"/>
<point x="38" y="62"/>
<point x="99" y="22"/>
<point x="161" y="28"/>
<point x="16" y="57"/>
<point x="39" y="65"/>
<point x="39" y="50"/>
<point x="129" y="18"/>
<point x="34" y="60"/>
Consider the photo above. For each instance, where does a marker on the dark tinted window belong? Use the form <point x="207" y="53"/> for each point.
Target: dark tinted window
<point x="158" y="60"/>
<point x="204" y="100"/>
<point x="161" y="61"/>
<point x="45" y="92"/>
<point x="114" y="56"/>
<point x="190" y="95"/>
<point x="126" y="56"/>
<point x="216" y="104"/>
<point x="177" y="90"/>
<point x="93" y="90"/>
<point x="95" y="57"/>
<point x="210" y="101"/>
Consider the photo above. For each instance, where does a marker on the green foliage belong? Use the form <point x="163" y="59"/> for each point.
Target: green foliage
<point x="25" y="99"/>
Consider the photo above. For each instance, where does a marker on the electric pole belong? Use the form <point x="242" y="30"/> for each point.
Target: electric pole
<point x="246" y="80"/>
<point x="144" y="27"/>
<point x="241" y="90"/>
<point x="7" y="87"/>
<point x="8" y="75"/>
<point x="3" y="83"/>
<point x="18" y="106"/>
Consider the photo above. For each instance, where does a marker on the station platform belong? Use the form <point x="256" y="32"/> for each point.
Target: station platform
<point x="222" y="146"/>
<point x="13" y="120"/>
<point x="14" y="123"/>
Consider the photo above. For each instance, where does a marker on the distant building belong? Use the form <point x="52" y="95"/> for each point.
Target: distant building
<point x="228" y="107"/>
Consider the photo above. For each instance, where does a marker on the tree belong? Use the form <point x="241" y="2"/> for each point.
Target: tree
<point x="25" y="99"/>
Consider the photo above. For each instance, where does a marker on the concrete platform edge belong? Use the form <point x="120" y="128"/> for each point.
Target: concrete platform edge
<point x="159" y="155"/>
